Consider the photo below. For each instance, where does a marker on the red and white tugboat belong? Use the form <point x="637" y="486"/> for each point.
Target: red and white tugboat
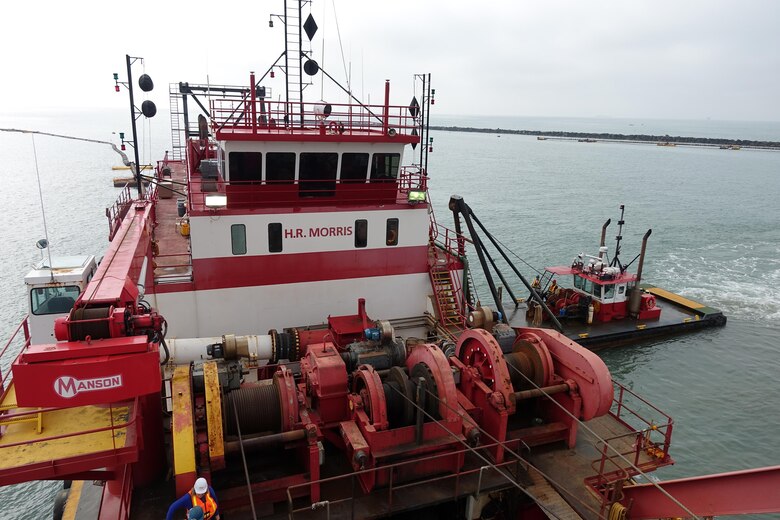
<point x="280" y="314"/>
<point x="599" y="302"/>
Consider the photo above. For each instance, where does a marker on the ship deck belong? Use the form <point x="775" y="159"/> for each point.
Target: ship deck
<point x="54" y="443"/>
<point x="556" y="479"/>
<point x="568" y="469"/>
<point x="173" y="261"/>
<point x="678" y="314"/>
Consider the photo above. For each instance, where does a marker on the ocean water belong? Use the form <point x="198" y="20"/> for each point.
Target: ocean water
<point x="715" y="217"/>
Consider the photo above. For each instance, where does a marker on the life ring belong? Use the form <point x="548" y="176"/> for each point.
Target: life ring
<point x="392" y="237"/>
<point x="650" y="302"/>
<point x="336" y="127"/>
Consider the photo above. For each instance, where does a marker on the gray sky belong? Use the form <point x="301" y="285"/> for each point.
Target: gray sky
<point x="656" y="59"/>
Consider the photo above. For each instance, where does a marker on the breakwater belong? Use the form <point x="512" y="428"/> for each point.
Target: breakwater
<point x="666" y="140"/>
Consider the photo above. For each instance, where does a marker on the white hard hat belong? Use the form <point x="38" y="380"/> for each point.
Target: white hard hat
<point x="201" y="486"/>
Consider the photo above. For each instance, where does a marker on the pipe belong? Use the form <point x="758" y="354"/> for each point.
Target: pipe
<point x="603" y="238"/>
<point x="533" y="292"/>
<point x="539" y="392"/>
<point x="636" y="293"/>
<point x="260" y="442"/>
<point x="252" y="107"/>
<point x="187" y="350"/>
<point x="458" y="204"/>
<point x="386" y="118"/>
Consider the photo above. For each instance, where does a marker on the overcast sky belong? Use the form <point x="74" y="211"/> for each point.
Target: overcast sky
<point x="653" y="59"/>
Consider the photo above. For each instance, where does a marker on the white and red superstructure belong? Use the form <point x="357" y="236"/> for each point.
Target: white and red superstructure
<point x="291" y="222"/>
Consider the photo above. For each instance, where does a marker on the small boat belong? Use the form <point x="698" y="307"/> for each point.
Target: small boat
<point x="603" y="304"/>
<point x="666" y="143"/>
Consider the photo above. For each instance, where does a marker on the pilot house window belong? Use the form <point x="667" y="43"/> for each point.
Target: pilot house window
<point x="245" y="166"/>
<point x="53" y="300"/>
<point x="384" y="166"/>
<point x="280" y="167"/>
<point x="354" y="167"/>
<point x="317" y="175"/>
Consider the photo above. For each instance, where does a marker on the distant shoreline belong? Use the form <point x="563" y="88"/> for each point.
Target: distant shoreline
<point x="664" y="140"/>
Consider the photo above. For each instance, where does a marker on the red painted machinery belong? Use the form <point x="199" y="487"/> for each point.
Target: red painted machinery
<point x="382" y="403"/>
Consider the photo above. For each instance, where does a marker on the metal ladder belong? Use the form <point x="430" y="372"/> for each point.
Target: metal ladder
<point x="292" y="60"/>
<point x="177" y="123"/>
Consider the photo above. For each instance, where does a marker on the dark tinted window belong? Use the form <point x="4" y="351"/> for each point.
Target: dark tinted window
<point x="246" y="166"/>
<point x="384" y="166"/>
<point x="238" y="239"/>
<point x="317" y="174"/>
<point x="275" y="237"/>
<point x="354" y="167"/>
<point x="280" y="167"/>
<point x="361" y="233"/>
<point x="391" y="235"/>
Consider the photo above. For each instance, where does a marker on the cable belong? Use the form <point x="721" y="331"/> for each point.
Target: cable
<point x="479" y="455"/>
<point x="589" y="430"/>
<point x="509" y="450"/>
<point x="338" y="32"/>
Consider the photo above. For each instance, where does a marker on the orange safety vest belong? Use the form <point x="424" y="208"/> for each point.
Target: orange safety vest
<point x="208" y="505"/>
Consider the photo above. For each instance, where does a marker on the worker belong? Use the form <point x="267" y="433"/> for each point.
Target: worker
<point x="536" y="283"/>
<point x="202" y="496"/>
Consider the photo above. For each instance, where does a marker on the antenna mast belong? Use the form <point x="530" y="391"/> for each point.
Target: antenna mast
<point x="43" y="213"/>
<point x="618" y="238"/>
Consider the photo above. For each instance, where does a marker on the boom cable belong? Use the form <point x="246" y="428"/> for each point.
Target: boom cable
<point x="504" y="444"/>
<point x="484" y="459"/>
<point x="598" y="437"/>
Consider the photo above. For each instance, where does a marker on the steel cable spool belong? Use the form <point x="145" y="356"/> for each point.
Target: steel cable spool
<point x="400" y="410"/>
<point x="258" y="409"/>
<point x="82" y="324"/>
<point x="526" y="360"/>
<point x="431" y="404"/>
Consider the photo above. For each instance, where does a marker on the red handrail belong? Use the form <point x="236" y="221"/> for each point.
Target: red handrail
<point x="646" y="440"/>
<point x="3" y="379"/>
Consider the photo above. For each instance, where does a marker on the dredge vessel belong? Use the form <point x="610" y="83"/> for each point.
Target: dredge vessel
<point x="280" y="313"/>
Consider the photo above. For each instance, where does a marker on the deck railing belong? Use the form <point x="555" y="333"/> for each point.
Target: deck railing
<point x="271" y="117"/>
<point x="7" y="356"/>
<point x="117" y="212"/>
<point x="393" y="487"/>
<point x="297" y="192"/>
<point x="649" y="441"/>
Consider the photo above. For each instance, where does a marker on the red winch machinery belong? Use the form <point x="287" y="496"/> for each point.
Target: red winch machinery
<point x="379" y="400"/>
<point x="108" y="352"/>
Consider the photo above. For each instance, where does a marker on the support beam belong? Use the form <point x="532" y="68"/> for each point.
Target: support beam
<point x="751" y="491"/>
<point x="214" y="415"/>
<point x="183" y="430"/>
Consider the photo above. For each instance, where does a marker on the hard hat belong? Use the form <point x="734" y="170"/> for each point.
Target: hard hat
<point x="196" y="513"/>
<point x="201" y="486"/>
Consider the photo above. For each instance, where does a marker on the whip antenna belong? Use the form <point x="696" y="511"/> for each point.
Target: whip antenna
<point x="45" y="243"/>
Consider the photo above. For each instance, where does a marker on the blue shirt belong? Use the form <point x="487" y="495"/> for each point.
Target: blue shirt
<point x="185" y="502"/>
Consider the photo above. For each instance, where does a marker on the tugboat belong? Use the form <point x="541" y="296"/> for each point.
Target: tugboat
<point x="606" y="305"/>
<point x="291" y="327"/>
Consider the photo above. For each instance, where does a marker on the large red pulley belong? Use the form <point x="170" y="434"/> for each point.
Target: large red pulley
<point x="479" y="350"/>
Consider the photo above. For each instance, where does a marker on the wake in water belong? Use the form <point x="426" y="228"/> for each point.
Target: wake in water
<point x="743" y="280"/>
